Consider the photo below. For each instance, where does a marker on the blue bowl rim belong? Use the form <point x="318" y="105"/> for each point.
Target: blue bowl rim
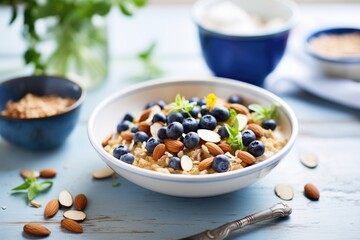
<point x="286" y="27"/>
<point x="333" y="30"/>
<point x="193" y="178"/>
<point x="75" y="105"/>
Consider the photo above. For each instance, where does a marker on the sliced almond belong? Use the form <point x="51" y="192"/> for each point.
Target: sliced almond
<point x="159" y="150"/>
<point x="173" y="145"/>
<point x="71" y="225"/>
<point x="243" y="120"/>
<point x="36" y="229"/>
<point x="239" y="108"/>
<point x="309" y="160"/>
<point x="154" y="129"/>
<point x="186" y="163"/>
<point x="48" y="173"/>
<point x="208" y="135"/>
<point x="65" y="198"/>
<point x="214" y="149"/>
<point x="103" y="173"/>
<point x="27" y="173"/>
<point x="284" y="191"/>
<point x="225" y="147"/>
<point x="51" y="208"/>
<point x="74" y="215"/>
<point x="35" y="204"/>
<point x="257" y="129"/>
<point x="144" y="126"/>
<point x="206" y="163"/>
<point x="80" y="201"/>
<point x="106" y="140"/>
<point x="128" y="136"/>
<point x="246" y="157"/>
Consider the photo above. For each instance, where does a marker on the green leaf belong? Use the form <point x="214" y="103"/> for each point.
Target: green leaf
<point x="182" y="104"/>
<point x="235" y="137"/>
<point x="44" y="186"/>
<point x="13" y="14"/>
<point x="261" y="113"/>
<point x="147" y="53"/>
<point x="102" y="8"/>
<point x="124" y="8"/>
<point x="140" y="3"/>
<point x="23" y="186"/>
<point x="32" y="192"/>
<point x="232" y="117"/>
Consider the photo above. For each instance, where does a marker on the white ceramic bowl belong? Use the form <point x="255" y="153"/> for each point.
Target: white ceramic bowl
<point x="108" y="113"/>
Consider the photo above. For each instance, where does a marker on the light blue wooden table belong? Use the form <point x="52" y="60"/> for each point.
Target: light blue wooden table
<point x="130" y="212"/>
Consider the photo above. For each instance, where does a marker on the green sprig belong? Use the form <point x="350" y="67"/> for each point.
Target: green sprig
<point x="235" y="137"/>
<point x="33" y="187"/>
<point x="181" y="104"/>
<point x="261" y="113"/>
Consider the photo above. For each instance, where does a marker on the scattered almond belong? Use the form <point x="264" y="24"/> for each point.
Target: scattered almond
<point x="65" y="198"/>
<point x="159" y="150"/>
<point x="239" y="108"/>
<point x="144" y="126"/>
<point x="75" y="215"/>
<point x="214" y="149"/>
<point x="208" y="135"/>
<point x="186" y="163"/>
<point x="106" y="140"/>
<point x="80" y="201"/>
<point x="173" y="145"/>
<point x="128" y="136"/>
<point x="51" y="208"/>
<point x="48" y="173"/>
<point x="257" y="129"/>
<point x="246" y="157"/>
<point x="103" y="173"/>
<point x="36" y="229"/>
<point x="206" y="163"/>
<point x="284" y="191"/>
<point x="71" y="225"/>
<point x="225" y="147"/>
<point x="35" y="204"/>
<point x="311" y="192"/>
<point x="26" y="173"/>
<point x="309" y="160"/>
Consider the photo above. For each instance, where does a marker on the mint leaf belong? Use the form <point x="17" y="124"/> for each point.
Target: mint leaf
<point x="23" y="186"/>
<point x="235" y="137"/>
<point x="33" y="187"/>
<point x="261" y="113"/>
<point x="32" y="192"/>
<point x="44" y="186"/>
<point x="232" y="117"/>
<point x="181" y="104"/>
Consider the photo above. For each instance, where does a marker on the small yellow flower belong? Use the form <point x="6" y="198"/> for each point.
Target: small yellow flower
<point x="211" y="101"/>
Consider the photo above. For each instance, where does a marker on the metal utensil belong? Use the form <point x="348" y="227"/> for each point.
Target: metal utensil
<point x="278" y="210"/>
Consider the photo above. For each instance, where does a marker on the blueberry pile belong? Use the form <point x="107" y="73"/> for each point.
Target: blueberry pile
<point x="181" y="127"/>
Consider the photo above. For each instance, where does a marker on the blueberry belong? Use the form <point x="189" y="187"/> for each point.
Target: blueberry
<point x="220" y="113"/>
<point x="223" y="132"/>
<point x="159" y="117"/>
<point x="149" y="105"/>
<point x="207" y="122"/>
<point x="191" y="140"/>
<point x="128" y="158"/>
<point x="174" y="130"/>
<point x="174" y="163"/>
<point x="201" y="102"/>
<point x="204" y="111"/>
<point x="128" y="117"/>
<point x="195" y="111"/>
<point x="247" y="137"/>
<point x="190" y="125"/>
<point x="269" y="124"/>
<point x="221" y="163"/>
<point x="193" y="99"/>
<point x="140" y="137"/>
<point x="175" y="117"/>
<point x="134" y="129"/>
<point x="123" y="126"/>
<point x="256" y="148"/>
<point x="120" y="150"/>
<point x="234" y="99"/>
<point x="151" y="143"/>
<point x="161" y="104"/>
<point x="162" y="133"/>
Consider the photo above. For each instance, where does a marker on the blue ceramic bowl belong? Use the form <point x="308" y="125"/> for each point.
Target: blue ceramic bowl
<point x="39" y="133"/>
<point x="246" y="57"/>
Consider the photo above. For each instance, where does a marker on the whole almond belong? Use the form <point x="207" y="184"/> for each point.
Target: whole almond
<point x="48" y="173"/>
<point x="246" y="157"/>
<point x="173" y="145"/>
<point x="225" y="147"/>
<point x="206" y="163"/>
<point x="239" y="108"/>
<point x="214" y="149"/>
<point x="36" y="229"/>
<point x="26" y="173"/>
<point x="51" y="208"/>
<point x="159" y="150"/>
<point x="145" y="114"/>
<point x="65" y="198"/>
<point x="257" y="129"/>
<point x="311" y="192"/>
<point x="144" y="126"/>
<point x="80" y="201"/>
<point x="106" y="140"/>
<point x="128" y="136"/>
<point x="71" y="225"/>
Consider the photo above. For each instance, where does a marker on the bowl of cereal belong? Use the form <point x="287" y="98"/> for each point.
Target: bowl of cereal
<point x="39" y="112"/>
<point x="336" y="51"/>
<point x="192" y="137"/>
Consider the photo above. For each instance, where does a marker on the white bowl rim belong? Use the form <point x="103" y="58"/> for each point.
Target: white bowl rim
<point x="290" y="23"/>
<point x="194" y="178"/>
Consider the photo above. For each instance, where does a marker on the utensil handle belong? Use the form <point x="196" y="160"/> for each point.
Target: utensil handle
<point x="278" y="210"/>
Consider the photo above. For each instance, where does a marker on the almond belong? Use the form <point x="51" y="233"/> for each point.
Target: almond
<point x="159" y="150"/>
<point x="36" y="230"/>
<point x="26" y="173"/>
<point x="311" y="192"/>
<point x="257" y="129"/>
<point x="71" y="225"/>
<point x="65" y="198"/>
<point x="74" y="215"/>
<point x="35" y="204"/>
<point x="173" y="145"/>
<point x="246" y="157"/>
<point x="239" y="108"/>
<point x="80" y="201"/>
<point x="48" y="173"/>
<point x="208" y="135"/>
<point x="128" y="136"/>
<point x="186" y="163"/>
<point x="214" y="149"/>
<point x="103" y="173"/>
<point x="106" y="140"/>
<point x="225" y="147"/>
<point x="51" y="208"/>
<point x="144" y="126"/>
<point x="206" y="163"/>
<point x="145" y="114"/>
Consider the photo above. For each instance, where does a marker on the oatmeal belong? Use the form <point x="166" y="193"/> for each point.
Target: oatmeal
<point x="197" y="136"/>
<point x="32" y="106"/>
